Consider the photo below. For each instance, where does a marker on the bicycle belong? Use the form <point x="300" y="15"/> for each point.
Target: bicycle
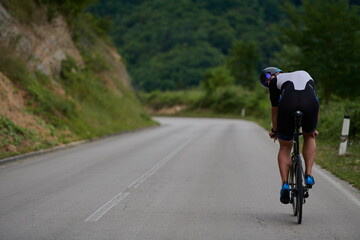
<point x="298" y="190"/>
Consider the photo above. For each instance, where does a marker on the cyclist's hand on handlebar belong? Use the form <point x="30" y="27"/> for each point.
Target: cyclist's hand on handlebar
<point x="316" y="133"/>
<point x="272" y="135"/>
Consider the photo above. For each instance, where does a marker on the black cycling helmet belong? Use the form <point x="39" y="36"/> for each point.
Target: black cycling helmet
<point x="266" y="74"/>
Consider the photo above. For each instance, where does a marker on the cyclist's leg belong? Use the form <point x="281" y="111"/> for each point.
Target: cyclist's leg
<point x="310" y="107"/>
<point x="309" y="151"/>
<point x="284" y="159"/>
<point x="285" y="131"/>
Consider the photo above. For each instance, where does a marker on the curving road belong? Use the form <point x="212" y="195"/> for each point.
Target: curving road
<point x="188" y="179"/>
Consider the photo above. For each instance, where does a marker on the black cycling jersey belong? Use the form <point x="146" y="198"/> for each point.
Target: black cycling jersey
<point x="299" y="79"/>
<point x="291" y="92"/>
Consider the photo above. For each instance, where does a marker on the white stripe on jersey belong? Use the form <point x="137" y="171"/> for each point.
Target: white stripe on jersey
<point x="298" y="78"/>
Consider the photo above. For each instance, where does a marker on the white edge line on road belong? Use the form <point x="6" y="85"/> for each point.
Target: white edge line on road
<point x="337" y="185"/>
<point x="121" y="196"/>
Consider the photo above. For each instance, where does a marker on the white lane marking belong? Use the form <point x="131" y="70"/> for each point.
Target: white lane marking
<point x="121" y="196"/>
<point x="337" y="185"/>
<point x="106" y="207"/>
<point x="156" y="167"/>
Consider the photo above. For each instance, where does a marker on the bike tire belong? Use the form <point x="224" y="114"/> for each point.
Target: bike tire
<point x="299" y="193"/>
<point x="293" y="190"/>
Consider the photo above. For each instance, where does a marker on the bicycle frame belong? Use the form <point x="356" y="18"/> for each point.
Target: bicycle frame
<point x="298" y="191"/>
<point x="297" y="133"/>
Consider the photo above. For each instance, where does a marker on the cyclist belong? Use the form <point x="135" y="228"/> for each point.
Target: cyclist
<point x="290" y="92"/>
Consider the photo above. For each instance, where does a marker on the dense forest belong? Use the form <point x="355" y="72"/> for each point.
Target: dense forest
<point x="171" y="45"/>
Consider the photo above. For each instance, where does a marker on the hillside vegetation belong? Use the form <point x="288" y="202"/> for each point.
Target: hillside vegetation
<point x="61" y="79"/>
<point x="173" y="45"/>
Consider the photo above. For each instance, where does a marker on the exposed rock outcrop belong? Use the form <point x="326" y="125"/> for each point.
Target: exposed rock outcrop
<point x="44" y="45"/>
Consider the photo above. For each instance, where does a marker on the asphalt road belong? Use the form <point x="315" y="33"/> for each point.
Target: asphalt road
<point x="188" y="179"/>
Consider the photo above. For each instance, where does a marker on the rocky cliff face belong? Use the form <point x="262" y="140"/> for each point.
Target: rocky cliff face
<point x="44" y="45"/>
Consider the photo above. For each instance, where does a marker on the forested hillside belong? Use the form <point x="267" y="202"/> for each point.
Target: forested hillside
<point x="171" y="45"/>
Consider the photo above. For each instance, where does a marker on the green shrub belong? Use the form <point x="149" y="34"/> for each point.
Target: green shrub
<point x="95" y="62"/>
<point x="22" y="10"/>
<point x="331" y="119"/>
<point x="13" y="68"/>
<point x="226" y="100"/>
<point x="10" y="133"/>
<point x="257" y="103"/>
<point x="352" y="109"/>
<point x="216" y="78"/>
<point x="158" y="99"/>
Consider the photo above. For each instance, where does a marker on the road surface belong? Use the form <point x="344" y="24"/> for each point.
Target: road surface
<point x="187" y="179"/>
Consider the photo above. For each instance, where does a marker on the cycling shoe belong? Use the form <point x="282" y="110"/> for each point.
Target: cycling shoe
<point x="285" y="194"/>
<point x="309" y="181"/>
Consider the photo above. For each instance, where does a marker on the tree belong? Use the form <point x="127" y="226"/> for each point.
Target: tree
<point x="215" y="78"/>
<point x="325" y="40"/>
<point x="171" y="44"/>
<point x="243" y="63"/>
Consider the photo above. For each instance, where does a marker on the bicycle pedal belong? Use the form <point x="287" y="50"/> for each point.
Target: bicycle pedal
<point x="306" y="194"/>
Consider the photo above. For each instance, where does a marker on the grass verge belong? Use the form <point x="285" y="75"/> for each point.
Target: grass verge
<point x="346" y="167"/>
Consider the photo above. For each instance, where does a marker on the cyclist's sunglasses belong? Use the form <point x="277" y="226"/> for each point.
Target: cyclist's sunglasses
<point x="267" y="77"/>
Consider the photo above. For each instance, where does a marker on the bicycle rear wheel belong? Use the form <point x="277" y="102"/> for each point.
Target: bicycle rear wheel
<point x="299" y="193"/>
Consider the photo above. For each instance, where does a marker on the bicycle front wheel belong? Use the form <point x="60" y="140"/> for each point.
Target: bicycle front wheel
<point x="299" y="193"/>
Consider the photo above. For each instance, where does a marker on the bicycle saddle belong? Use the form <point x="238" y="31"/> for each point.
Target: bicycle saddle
<point x="298" y="114"/>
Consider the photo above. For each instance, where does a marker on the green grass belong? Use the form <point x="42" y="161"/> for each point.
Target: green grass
<point x="17" y="140"/>
<point x="101" y="111"/>
<point x="346" y="167"/>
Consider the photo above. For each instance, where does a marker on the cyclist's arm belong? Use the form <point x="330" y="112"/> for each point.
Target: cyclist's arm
<point x="274" y="114"/>
<point x="274" y="99"/>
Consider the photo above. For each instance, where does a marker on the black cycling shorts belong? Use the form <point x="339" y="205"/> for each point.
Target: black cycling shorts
<point x="292" y="100"/>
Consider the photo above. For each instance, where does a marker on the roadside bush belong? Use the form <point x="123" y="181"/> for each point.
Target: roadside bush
<point x="217" y="78"/>
<point x="353" y="110"/>
<point x="158" y="99"/>
<point x="10" y="133"/>
<point x="224" y="100"/>
<point x="331" y="119"/>
<point x="257" y="103"/>
<point x="13" y="68"/>
<point x="234" y="99"/>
